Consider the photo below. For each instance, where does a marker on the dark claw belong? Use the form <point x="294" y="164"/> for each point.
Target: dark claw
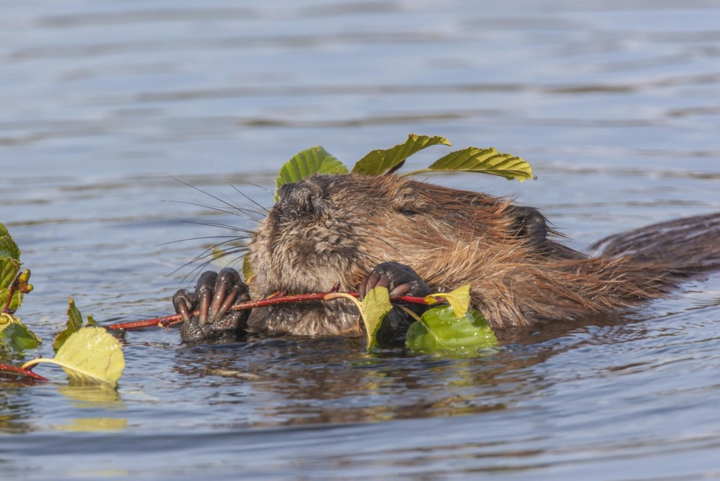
<point x="204" y="291"/>
<point x="184" y="302"/>
<point x="226" y="291"/>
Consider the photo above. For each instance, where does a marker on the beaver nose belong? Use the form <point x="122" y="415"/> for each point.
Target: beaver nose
<point x="298" y="198"/>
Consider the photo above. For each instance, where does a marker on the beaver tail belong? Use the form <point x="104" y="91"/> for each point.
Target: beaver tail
<point x="681" y="248"/>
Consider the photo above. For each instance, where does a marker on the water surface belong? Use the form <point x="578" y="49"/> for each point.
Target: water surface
<point x="104" y="105"/>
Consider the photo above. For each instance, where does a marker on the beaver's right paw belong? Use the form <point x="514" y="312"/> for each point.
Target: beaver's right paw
<point x="213" y="296"/>
<point x="400" y="280"/>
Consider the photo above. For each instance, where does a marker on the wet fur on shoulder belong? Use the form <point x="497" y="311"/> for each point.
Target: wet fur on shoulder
<point x="331" y="230"/>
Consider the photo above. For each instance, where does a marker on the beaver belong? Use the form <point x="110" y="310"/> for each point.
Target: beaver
<point x="357" y="232"/>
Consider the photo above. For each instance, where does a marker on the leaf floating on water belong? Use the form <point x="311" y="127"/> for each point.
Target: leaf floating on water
<point x="379" y="162"/>
<point x="91" y="355"/>
<point x="440" y="330"/>
<point x="314" y="160"/>
<point x="487" y="161"/>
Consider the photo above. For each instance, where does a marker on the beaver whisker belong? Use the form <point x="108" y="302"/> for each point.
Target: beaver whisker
<point x="251" y="199"/>
<point x="221" y="226"/>
<point x="209" y="252"/>
<point x="199" y="238"/>
<point x="248" y="214"/>
<point x="228" y="204"/>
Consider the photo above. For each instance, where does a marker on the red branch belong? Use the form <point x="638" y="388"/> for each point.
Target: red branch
<point x="166" y="321"/>
<point x="21" y="371"/>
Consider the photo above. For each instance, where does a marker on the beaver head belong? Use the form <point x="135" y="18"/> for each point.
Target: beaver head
<point x="334" y="229"/>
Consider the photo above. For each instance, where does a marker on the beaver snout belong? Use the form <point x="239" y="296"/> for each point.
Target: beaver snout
<point x="300" y="198"/>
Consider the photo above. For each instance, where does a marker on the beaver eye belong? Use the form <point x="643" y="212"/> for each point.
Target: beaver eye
<point x="408" y="211"/>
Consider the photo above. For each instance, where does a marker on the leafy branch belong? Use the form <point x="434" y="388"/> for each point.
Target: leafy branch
<point x="86" y="354"/>
<point x="316" y="160"/>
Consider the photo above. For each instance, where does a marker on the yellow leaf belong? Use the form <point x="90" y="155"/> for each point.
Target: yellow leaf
<point x="375" y="307"/>
<point x="459" y="299"/>
<point x="372" y="309"/>
<point x="91" y="355"/>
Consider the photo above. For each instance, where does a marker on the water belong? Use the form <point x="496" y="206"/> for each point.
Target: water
<point x="615" y="104"/>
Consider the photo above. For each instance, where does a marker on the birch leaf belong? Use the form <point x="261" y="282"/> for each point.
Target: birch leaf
<point x="379" y="162"/>
<point x="487" y="161"/>
<point x="459" y="299"/>
<point x="91" y="355"/>
<point x="440" y="330"/>
<point x="314" y="160"/>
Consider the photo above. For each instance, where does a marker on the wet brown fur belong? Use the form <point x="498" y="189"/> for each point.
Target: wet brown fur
<point x="336" y="229"/>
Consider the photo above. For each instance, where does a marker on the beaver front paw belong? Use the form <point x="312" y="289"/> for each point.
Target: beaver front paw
<point x="213" y="296"/>
<point x="400" y="280"/>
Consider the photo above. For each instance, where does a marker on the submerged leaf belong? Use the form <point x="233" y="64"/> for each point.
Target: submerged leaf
<point x="314" y="160"/>
<point x="440" y="329"/>
<point x="488" y="161"/>
<point x="378" y="162"/>
<point x="91" y="355"/>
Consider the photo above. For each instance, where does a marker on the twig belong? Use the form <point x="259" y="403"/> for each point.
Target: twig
<point x="18" y="370"/>
<point x="167" y="321"/>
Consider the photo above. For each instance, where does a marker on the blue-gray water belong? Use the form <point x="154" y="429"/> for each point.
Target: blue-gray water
<point x="103" y="104"/>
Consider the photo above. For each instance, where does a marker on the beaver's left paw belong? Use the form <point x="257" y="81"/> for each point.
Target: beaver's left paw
<point x="400" y="280"/>
<point x="213" y="296"/>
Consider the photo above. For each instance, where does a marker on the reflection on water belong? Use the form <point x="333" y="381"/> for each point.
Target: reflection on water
<point x="94" y="424"/>
<point x="90" y="396"/>
<point x="104" y="105"/>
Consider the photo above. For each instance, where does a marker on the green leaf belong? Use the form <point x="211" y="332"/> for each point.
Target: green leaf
<point x="314" y="160"/>
<point x="15" y="336"/>
<point x="379" y="162"/>
<point x="8" y="270"/>
<point x="487" y="161"/>
<point x="459" y="299"/>
<point x="74" y="324"/>
<point x="91" y="322"/>
<point x="91" y="355"/>
<point x="8" y="247"/>
<point x="3" y="230"/>
<point x="440" y="330"/>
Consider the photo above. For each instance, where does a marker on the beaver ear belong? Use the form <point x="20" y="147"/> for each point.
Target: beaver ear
<point x="529" y="223"/>
<point x="406" y="201"/>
